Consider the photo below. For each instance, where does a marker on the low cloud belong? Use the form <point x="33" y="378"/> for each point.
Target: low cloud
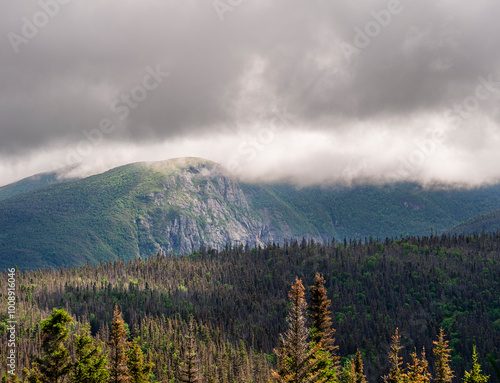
<point x="379" y="91"/>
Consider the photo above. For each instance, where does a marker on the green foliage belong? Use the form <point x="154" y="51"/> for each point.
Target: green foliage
<point x="90" y="365"/>
<point x="228" y="292"/>
<point x="120" y="212"/>
<point x="55" y="363"/>
<point x="475" y="375"/>
<point x="138" y="370"/>
<point x="322" y="334"/>
<point x="353" y="370"/>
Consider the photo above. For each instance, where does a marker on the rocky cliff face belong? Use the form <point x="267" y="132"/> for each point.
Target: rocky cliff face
<point x="198" y="204"/>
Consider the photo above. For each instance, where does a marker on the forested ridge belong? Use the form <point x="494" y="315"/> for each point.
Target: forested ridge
<point x="237" y="299"/>
<point x="180" y="204"/>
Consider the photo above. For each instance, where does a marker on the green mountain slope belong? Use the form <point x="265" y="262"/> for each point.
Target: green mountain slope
<point x="178" y="205"/>
<point x="489" y="222"/>
<point x="134" y="210"/>
<point x="31" y="183"/>
<point x="386" y="211"/>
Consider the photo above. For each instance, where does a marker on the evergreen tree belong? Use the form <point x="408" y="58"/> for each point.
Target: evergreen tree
<point x="90" y="364"/>
<point x="241" y="367"/>
<point x="418" y="369"/>
<point x="353" y="370"/>
<point x="189" y="371"/>
<point x="322" y="333"/>
<point x="359" y="368"/>
<point x="348" y="374"/>
<point x="137" y="369"/>
<point x="55" y="362"/>
<point x="396" y="374"/>
<point x="295" y="358"/>
<point x="118" y="360"/>
<point x="444" y="373"/>
<point x="475" y="376"/>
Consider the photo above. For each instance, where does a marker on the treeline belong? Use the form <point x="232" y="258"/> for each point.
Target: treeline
<point x="238" y="298"/>
<point x="305" y="354"/>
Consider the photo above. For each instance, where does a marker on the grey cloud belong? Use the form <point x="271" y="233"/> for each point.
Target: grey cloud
<point x="427" y="58"/>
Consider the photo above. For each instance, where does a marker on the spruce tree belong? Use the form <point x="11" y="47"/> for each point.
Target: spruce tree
<point x="322" y="333"/>
<point x="90" y="365"/>
<point x="348" y="374"/>
<point x="353" y="370"/>
<point x="418" y="369"/>
<point x="475" y="375"/>
<point x="137" y="369"/>
<point x="396" y="374"/>
<point x="118" y="344"/>
<point x="295" y="358"/>
<point x="189" y="371"/>
<point x="444" y="373"/>
<point x="359" y="368"/>
<point x="55" y="363"/>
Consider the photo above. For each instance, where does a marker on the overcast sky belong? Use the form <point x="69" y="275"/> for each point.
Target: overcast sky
<point x="307" y="91"/>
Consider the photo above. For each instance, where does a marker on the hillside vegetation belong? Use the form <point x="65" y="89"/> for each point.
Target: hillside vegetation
<point x="238" y="299"/>
<point x="489" y="222"/>
<point x="178" y="205"/>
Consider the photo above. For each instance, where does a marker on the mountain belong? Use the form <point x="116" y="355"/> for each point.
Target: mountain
<point x="137" y="210"/>
<point x="176" y="206"/>
<point x="31" y="183"/>
<point x="489" y="222"/>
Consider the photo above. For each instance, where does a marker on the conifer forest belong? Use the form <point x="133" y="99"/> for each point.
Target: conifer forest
<point x="413" y="309"/>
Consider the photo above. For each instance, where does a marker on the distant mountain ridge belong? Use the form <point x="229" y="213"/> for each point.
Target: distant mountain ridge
<point x="489" y="222"/>
<point x="178" y="205"/>
<point x="31" y="183"/>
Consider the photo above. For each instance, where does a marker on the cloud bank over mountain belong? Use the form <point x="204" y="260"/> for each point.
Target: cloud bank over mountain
<point x="312" y="91"/>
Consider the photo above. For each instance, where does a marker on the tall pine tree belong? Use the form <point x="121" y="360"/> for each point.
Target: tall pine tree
<point x="396" y="374"/>
<point x="118" y="344"/>
<point x="475" y="375"/>
<point x="322" y="333"/>
<point x="295" y="358"/>
<point x="189" y="371"/>
<point x="444" y="373"/>
<point x="359" y="369"/>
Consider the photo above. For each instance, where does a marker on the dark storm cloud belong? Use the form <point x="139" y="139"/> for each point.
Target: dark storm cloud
<point x="231" y="62"/>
